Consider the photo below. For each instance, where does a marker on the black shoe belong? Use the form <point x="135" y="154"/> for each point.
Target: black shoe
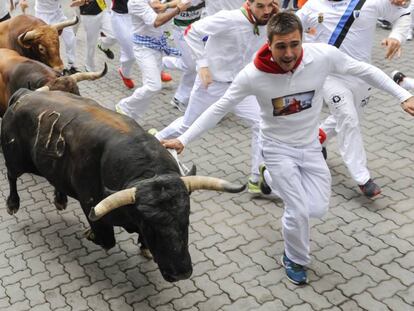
<point x="107" y="52"/>
<point x="384" y="24"/>
<point x="370" y="189"/>
<point x="397" y="76"/>
<point x="70" y="71"/>
<point x="264" y="187"/>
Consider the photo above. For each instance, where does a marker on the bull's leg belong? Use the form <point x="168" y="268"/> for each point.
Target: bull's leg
<point x="61" y="200"/>
<point x="100" y="233"/>
<point x="13" y="201"/>
<point x="144" y="248"/>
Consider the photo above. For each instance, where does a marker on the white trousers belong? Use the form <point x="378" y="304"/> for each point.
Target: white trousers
<point x="407" y="83"/>
<point x="93" y="25"/>
<point x="202" y="98"/>
<point x="303" y="181"/>
<point x="150" y="63"/>
<point x="68" y="35"/>
<point x="345" y="100"/>
<point x="122" y="31"/>
<point x="185" y="63"/>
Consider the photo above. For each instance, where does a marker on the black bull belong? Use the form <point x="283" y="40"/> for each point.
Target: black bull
<point x="105" y="161"/>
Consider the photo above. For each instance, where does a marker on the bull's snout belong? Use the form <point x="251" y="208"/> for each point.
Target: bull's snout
<point x="177" y="277"/>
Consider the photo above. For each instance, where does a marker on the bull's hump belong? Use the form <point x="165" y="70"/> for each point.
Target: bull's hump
<point x="109" y="118"/>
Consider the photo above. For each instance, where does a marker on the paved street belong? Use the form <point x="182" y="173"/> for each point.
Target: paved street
<point x="362" y="250"/>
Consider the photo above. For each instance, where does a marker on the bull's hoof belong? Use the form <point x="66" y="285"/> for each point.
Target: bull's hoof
<point x="12" y="206"/>
<point x="89" y="234"/>
<point x="146" y="253"/>
<point x="60" y="206"/>
<point x="60" y="201"/>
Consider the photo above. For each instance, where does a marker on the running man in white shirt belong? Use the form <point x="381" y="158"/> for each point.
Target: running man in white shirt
<point x="233" y="38"/>
<point x="185" y="63"/>
<point x="149" y="45"/>
<point x="287" y="79"/>
<point x="96" y="19"/>
<point x="350" y="26"/>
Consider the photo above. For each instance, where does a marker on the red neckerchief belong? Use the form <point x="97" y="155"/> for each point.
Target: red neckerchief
<point x="245" y="9"/>
<point x="264" y="62"/>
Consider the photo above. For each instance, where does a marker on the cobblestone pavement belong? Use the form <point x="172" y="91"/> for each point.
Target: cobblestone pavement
<point x="363" y="257"/>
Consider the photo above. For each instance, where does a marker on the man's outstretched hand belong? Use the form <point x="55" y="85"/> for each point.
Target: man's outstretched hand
<point x="173" y="144"/>
<point x="407" y="105"/>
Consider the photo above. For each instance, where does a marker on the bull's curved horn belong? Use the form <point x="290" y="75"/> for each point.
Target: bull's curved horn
<point x="67" y="23"/>
<point x="26" y="36"/>
<point x="80" y="76"/>
<point x="118" y="199"/>
<point x="43" y="89"/>
<point x="210" y="183"/>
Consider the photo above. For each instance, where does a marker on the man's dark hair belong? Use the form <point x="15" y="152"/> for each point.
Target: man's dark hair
<point x="283" y="23"/>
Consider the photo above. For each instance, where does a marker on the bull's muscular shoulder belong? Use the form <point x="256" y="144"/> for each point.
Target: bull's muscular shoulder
<point x="87" y="111"/>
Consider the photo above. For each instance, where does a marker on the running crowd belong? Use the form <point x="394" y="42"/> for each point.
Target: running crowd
<point x="271" y="66"/>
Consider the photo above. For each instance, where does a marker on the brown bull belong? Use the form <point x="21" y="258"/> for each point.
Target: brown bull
<point x="33" y="38"/>
<point x="17" y="72"/>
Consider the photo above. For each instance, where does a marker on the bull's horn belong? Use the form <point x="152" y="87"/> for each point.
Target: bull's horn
<point x="24" y="37"/>
<point x="80" y="76"/>
<point x="43" y="89"/>
<point x="67" y="23"/>
<point x="210" y="183"/>
<point x="118" y="199"/>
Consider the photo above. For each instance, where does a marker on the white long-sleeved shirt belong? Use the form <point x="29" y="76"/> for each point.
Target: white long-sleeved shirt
<point x="214" y="6"/>
<point x="302" y="89"/>
<point x="230" y="46"/>
<point x="143" y="18"/>
<point x="332" y="18"/>
<point x="47" y="6"/>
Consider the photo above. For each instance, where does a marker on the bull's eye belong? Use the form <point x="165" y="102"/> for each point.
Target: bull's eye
<point x="42" y="49"/>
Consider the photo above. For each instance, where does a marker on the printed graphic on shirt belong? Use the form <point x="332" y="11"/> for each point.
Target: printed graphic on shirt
<point x="283" y="106"/>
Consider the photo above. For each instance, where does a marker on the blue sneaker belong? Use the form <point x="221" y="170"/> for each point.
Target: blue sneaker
<point x="370" y="189"/>
<point x="263" y="185"/>
<point x="296" y="273"/>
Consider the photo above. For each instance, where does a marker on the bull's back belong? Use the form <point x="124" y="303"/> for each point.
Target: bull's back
<point x="79" y="137"/>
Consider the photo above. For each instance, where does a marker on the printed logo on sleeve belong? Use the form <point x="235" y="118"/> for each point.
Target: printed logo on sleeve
<point x="283" y="106"/>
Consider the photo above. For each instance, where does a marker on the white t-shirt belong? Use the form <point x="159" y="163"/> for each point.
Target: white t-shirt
<point x="143" y="18"/>
<point x="290" y="103"/>
<point x="214" y="6"/>
<point x="331" y="20"/>
<point x="47" y="6"/>
<point x="230" y="46"/>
